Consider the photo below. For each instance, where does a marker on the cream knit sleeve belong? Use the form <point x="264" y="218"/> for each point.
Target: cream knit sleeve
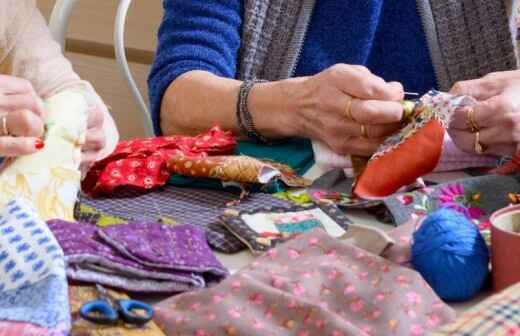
<point x="27" y="50"/>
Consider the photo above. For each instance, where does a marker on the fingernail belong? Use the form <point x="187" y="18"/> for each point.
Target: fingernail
<point x="39" y="144"/>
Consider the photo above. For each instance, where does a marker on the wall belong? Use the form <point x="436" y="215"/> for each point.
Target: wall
<point x="90" y="49"/>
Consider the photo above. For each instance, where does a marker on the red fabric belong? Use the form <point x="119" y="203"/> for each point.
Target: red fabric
<point x="401" y="166"/>
<point x="142" y="163"/>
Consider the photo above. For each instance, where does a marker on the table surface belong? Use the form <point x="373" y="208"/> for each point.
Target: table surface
<point x="235" y="262"/>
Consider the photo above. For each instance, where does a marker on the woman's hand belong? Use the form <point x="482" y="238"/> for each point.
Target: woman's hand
<point x="95" y="138"/>
<point x="21" y="124"/>
<point x="496" y="114"/>
<point x="347" y="107"/>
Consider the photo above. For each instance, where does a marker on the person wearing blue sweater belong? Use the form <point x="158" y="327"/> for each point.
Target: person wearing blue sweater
<point x="279" y="73"/>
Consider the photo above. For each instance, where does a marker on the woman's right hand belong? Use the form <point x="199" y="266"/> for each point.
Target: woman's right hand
<point x="321" y="103"/>
<point x="23" y="110"/>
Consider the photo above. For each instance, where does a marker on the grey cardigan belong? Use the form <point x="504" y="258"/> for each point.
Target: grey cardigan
<point x="467" y="39"/>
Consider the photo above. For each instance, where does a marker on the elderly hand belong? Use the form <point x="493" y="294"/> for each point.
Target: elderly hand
<point x="95" y="138"/>
<point x="496" y="115"/>
<point x="21" y="124"/>
<point x="348" y="108"/>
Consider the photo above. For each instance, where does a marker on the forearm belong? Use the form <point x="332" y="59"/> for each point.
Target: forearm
<point x="197" y="100"/>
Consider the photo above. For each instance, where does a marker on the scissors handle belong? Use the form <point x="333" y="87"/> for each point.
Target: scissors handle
<point x="98" y="311"/>
<point x="127" y="312"/>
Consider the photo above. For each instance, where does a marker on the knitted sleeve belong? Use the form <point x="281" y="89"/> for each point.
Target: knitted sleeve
<point x="194" y="35"/>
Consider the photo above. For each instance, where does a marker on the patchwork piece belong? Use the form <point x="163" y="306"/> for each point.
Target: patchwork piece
<point x="146" y="257"/>
<point x="477" y="198"/>
<point x="397" y="163"/>
<point x="497" y="315"/>
<point x="50" y="178"/>
<point x="79" y="295"/>
<point x="264" y="228"/>
<point x="142" y="163"/>
<point x="199" y="207"/>
<point x="33" y="286"/>
<point x="311" y="285"/>
<point x="239" y="169"/>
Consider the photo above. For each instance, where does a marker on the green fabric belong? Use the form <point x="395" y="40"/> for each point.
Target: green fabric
<point x="297" y="197"/>
<point x="295" y="153"/>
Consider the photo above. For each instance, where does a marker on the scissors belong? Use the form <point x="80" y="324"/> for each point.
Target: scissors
<point x="109" y="310"/>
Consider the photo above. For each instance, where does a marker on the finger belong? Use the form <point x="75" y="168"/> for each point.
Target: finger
<point x="96" y="118"/>
<point x="364" y="147"/>
<point x="24" y="123"/>
<point x="466" y="142"/>
<point x="480" y="89"/>
<point x="362" y="84"/>
<point x="372" y="112"/>
<point x="95" y="140"/>
<point x="26" y="101"/>
<point x="12" y="146"/>
<point x="14" y="85"/>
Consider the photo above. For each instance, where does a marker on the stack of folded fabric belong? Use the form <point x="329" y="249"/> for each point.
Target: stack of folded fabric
<point x="144" y="257"/>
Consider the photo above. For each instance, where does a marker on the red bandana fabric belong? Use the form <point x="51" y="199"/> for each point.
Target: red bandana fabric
<point x="142" y="163"/>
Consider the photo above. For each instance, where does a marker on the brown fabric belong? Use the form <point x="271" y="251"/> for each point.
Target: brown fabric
<point x="311" y="285"/>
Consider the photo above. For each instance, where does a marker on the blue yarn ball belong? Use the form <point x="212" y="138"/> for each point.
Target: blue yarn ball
<point x="450" y="253"/>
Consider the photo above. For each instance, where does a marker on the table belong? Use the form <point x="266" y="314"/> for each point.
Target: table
<point x="236" y="261"/>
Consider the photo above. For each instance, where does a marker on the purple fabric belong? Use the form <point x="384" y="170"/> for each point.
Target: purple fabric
<point x="90" y="258"/>
<point x="181" y="247"/>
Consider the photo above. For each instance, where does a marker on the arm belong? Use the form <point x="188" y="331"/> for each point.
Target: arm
<point x="32" y="54"/>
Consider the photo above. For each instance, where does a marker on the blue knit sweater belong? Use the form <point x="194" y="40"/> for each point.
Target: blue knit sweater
<point x="385" y="36"/>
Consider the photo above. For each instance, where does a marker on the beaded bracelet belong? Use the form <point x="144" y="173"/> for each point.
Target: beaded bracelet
<point x="244" y="117"/>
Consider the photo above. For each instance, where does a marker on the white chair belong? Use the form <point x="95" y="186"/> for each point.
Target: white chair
<point x="58" y="25"/>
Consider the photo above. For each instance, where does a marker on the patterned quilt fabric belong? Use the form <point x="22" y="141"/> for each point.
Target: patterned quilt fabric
<point x="199" y="207"/>
<point x="33" y="286"/>
<point x="146" y="257"/>
<point x="498" y="315"/>
<point x="311" y="285"/>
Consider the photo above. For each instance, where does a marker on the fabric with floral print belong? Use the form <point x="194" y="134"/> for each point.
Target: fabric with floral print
<point x="311" y="285"/>
<point x="476" y="198"/>
<point x="142" y="163"/>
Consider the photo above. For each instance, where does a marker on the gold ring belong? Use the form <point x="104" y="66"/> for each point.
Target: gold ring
<point x="470" y="116"/>
<point x="5" y="129"/>
<point x="408" y="109"/>
<point x="364" y="133"/>
<point x="348" y="109"/>
<point x="479" y="147"/>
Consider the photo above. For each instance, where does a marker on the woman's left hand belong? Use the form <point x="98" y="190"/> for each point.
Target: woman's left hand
<point x="95" y="139"/>
<point x="496" y="115"/>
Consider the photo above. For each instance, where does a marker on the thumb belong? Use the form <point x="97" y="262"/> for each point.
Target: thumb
<point x="13" y="146"/>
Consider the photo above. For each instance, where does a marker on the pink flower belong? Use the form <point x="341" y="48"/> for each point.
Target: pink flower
<point x="276" y="282"/>
<point x="380" y="296"/>
<point x="454" y="197"/>
<point x="417" y="330"/>
<point x="313" y="241"/>
<point x="307" y="275"/>
<point x="348" y="289"/>
<point x="331" y="254"/>
<point x="217" y="298"/>
<point x="235" y="285"/>
<point x="201" y="332"/>
<point x="268" y="313"/>
<point x="293" y="254"/>
<point x="366" y="329"/>
<point x="195" y="306"/>
<point x="413" y="297"/>
<point x="376" y="314"/>
<point x="333" y="274"/>
<point x="406" y="199"/>
<point x="234" y="313"/>
<point x="211" y="317"/>
<point x="357" y="305"/>
<point x="272" y="253"/>
<point x="256" y="298"/>
<point x="257" y="324"/>
<point x="362" y="275"/>
<point x="298" y="289"/>
<point x="433" y="321"/>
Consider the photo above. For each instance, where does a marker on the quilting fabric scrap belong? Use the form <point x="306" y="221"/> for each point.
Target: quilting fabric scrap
<point x="199" y="207"/>
<point x="498" y="315"/>
<point x="240" y="169"/>
<point x="50" y="178"/>
<point x="477" y="198"/>
<point x="79" y="295"/>
<point x="396" y="163"/>
<point x="165" y="258"/>
<point x="33" y="286"/>
<point x="311" y="285"/>
<point x="142" y="163"/>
